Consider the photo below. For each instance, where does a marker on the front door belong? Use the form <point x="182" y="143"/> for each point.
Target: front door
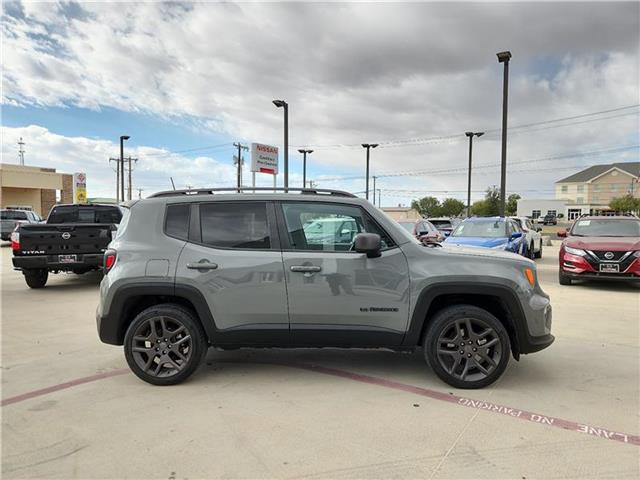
<point x="237" y="265"/>
<point x="338" y="297"/>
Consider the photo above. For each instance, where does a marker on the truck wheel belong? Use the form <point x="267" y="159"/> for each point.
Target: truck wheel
<point x="164" y="344"/>
<point x="467" y="347"/>
<point x="563" y="279"/>
<point x="36" y="278"/>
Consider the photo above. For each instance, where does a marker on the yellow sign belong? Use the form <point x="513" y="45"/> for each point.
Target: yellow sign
<point x="79" y="188"/>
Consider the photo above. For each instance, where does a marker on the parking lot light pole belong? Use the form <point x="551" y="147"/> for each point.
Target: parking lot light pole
<point x="504" y="57"/>
<point x="304" y="165"/>
<point x="122" y="139"/>
<point x="470" y="135"/>
<point x="368" y="146"/>
<point x="285" y="105"/>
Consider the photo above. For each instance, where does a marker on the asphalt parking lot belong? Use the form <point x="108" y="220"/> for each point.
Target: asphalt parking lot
<point x="71" y="409"/>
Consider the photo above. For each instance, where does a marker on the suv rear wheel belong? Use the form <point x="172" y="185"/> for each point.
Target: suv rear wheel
<point x="36" y="278"/>
<point x="164" y="344"/>
<point x="467" y="347"/>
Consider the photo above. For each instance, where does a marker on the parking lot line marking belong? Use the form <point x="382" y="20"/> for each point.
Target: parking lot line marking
<point x="545" y="420"/>
<point x="63" y="386"/>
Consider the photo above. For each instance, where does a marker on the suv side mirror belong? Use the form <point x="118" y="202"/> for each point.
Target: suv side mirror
<point x="515" y="235"/>
<point x="562" y="233"/>
<point x="538" y="229"/>
<point x="369" y="243"/>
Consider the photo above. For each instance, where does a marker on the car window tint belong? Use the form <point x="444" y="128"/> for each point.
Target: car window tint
<point x="328" y="227"/>
<point x="235" y="225"/>
<point x="177" y="220"/>
<point x="13" y="215"/>
<point x="108" y="215"/>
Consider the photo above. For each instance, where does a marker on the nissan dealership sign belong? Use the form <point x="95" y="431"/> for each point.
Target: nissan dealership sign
<point x="264" y="158"/>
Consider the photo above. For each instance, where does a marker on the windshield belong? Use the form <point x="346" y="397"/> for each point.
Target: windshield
<point x="481" y="228"/>
<point x="408" y="226"/>
<point x="441" y="223"/>
<point x="607" y="227"/>
<point x="13" y="215"/>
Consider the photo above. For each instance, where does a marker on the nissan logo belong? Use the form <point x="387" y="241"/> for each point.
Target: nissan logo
<point x="609" y="255"/>
<point x="66" y="235"/>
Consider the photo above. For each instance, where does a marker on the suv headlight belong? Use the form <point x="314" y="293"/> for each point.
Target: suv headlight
<point x="575" y="251"/>
<point x="502" y="246"/>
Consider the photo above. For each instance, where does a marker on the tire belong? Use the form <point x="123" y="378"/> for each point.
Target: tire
<point x="538" y="254"/>
<point x="178" y="357"/>
<point x="563" y="279"/>
<point x="532" y="251"/>
<point x="451" y="366"/>
<point x="36" y="278"/>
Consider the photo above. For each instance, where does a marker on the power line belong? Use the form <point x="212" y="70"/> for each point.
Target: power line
<point x="169" y="153"/>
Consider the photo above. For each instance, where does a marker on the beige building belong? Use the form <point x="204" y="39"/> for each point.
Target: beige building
<point x="33" y="188"/>
<point x="402" y="213"/>
<point x="600" y="184"/>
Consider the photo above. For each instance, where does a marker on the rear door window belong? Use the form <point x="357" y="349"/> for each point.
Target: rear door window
<point x="235" y="225"/>
<point x="176" y="223"/>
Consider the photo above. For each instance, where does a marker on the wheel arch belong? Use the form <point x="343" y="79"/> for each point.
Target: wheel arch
<point x="130" y="300"/>
<point x="498" y="300"/>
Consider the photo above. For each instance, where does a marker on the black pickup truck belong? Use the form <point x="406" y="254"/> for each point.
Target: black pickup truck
<point x="73" y="239"/>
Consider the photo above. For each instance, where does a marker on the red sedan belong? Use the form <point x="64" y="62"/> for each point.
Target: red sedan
<point x="423" y="230"/>
<point x="601" y="248"/>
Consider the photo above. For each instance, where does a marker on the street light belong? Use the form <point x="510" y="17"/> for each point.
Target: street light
<point x="304" y="165"/>
<point x="122" y="139"/>
<point x="285" y="105"/>
<point x="504" y="57"/>
<point x="470" y="135"/>
<point x="368" y="146"/>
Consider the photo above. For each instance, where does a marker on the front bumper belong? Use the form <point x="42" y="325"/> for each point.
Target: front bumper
<point x="613" y="277"/>
<point x="51" y="262"/>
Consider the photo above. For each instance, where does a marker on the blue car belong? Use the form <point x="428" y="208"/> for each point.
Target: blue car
<point x="489" y="232"/>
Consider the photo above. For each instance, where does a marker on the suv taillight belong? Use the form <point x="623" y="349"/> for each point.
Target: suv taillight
<point x="109" y="259"/>
<point x="15" y="240"/>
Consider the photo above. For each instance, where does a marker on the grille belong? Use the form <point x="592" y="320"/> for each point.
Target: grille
<point x="616" y="255"/>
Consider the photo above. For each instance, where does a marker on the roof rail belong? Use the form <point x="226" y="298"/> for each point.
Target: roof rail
<point x="212" y="191"/>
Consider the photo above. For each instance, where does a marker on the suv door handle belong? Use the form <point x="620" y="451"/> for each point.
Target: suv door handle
<point x="202" y="265"/>
<point x="305" y="268"/>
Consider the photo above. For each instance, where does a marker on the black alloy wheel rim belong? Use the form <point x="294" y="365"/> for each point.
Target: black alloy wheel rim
<point x="469" y="349"/>
<point x="162" y="346"/>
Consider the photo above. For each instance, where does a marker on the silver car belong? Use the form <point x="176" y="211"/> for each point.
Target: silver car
<point x="10" y="219"/>
<point x="193" y="269"/>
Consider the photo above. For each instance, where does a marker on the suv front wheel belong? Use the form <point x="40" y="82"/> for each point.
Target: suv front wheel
<point x="467" y="347"/>
<point x="164" y="344"/>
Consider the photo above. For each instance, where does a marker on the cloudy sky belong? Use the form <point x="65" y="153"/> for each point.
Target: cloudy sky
<point x="187" y="80"/>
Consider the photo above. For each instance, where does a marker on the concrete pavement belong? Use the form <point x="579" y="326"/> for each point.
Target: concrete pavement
<point x="256" y="414"/>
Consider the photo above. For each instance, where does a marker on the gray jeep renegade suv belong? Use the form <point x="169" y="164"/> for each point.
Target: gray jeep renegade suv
<point x="308" y="268"/>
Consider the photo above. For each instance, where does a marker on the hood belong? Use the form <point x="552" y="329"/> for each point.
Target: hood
<point x="604" y="243"/>
<point x="477" y="241"/>
<point x="482" y="252"/>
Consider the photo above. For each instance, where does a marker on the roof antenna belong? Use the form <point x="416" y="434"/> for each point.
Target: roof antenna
<point x="172" y="184"/>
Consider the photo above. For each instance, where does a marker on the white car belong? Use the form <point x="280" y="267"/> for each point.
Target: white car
<point x="532" y="235"/>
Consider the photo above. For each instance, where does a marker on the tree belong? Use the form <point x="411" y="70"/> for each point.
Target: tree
<point x="427" y="206"/>
<point x="626" y="204"/>
<point x="512" y="204"/>
<point x="451" y="207"/>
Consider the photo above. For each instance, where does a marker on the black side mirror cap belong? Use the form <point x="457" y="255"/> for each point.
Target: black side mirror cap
<point x="369" y="243"/>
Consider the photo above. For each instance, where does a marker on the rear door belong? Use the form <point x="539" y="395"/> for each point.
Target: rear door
<point x="338" y="297"/>
<point x="232" y="256"/>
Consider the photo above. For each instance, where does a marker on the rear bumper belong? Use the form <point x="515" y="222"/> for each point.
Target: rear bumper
<point x="51" y="262"/>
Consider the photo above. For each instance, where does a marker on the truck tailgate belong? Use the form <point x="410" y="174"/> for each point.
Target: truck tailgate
<point x="51" y="239"/>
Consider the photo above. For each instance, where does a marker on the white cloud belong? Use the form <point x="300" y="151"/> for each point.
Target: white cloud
<point x="351" y="73"/>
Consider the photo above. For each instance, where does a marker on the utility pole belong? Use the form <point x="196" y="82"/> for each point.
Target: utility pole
<point x="117" y="160"/>
<point x="135" y="160"/>
<point x="122" y="139"/>
<point x="379" y="197"/>
<point x="304" y="165"/>
<point x="139" y="192"/>
<point x="239" y="159"/>
<point x="21" y="151"/>
<point x="504" y="57"/>
<point x="368" y="146"/>
<point x="374" y="189"/>
<point x="470" y="135"/>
